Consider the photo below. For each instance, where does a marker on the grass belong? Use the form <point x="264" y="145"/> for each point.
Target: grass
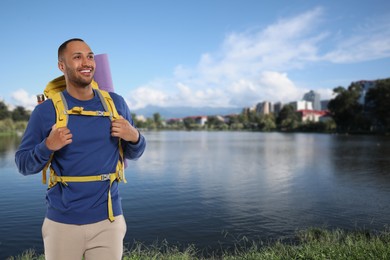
<point x="313" y="243"/>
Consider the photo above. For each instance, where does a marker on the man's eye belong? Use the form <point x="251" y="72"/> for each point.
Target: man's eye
<point x="76" y="57"/>
<point x="91" y="57"/>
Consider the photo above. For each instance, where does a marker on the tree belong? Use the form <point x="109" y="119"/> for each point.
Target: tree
<point x="346" y="110"/>
<point x="266" y="122"/>
<point x="20" y="114"/>
<point x="288" y="119"/>
<point x="213" y="122"/>
<point x="4" y="112"/>
<point x="189" y="122"/>
<point x="157" y="120"/>
<point x="377" y="102"/>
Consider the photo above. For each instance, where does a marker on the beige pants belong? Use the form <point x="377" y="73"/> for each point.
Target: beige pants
<point x="98" y="241"/>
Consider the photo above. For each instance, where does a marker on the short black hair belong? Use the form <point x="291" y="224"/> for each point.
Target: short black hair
<point x="62" y="47"/>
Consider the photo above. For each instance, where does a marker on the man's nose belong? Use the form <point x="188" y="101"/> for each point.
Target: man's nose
<point x="86" y="61"/>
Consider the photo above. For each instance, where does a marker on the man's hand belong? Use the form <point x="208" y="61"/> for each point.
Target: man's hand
<point x="58" y="138"/>
<point x="123" y="129"/>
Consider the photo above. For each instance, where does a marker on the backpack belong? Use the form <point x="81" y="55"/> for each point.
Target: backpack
<point x="53" y="91"/>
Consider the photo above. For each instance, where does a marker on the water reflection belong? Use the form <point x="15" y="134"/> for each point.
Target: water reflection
<point x="8" y="144"/>
<point x="191" y="187"/>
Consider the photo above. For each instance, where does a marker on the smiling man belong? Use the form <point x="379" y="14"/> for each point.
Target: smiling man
<point x="84" y="215"/>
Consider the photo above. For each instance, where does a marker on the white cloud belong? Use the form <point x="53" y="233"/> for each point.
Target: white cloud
<point x="249" y="67"/>
<point x="369" y="41"/>
<point x="145" y="95"/>
<point x="22" y="98"/>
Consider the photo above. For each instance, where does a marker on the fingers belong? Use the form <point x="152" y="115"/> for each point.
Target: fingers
<point x="58" y="138"/>
<point x="65" y="135"/>
<point x="123" y="129"/>
<point x="118" y="126"/>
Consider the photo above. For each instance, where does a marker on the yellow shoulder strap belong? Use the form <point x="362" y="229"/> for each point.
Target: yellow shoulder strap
<point x="108" y="103"/>
<point x="60" y="107"/>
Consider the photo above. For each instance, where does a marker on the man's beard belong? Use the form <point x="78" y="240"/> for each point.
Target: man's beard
<point x="77" y="80"/>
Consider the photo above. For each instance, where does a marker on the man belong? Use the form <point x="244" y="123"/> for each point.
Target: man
<point x="76" y="223"/>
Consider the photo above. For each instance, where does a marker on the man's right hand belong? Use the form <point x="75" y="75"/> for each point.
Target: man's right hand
<point x="58" y="138"/>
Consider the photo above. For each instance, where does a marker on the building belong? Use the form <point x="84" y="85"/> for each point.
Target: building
<point x="324" y="104"/>
<point x="313" y="115"/>
<point x="264" y="108"/>
<point x="200" y="120"/>
<point x="302" y="105"/>
<point x="313" y="97"/>
<point x="277" y="108"/>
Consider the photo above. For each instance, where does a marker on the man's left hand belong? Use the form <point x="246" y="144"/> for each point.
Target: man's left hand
<point x="123" y="129"/>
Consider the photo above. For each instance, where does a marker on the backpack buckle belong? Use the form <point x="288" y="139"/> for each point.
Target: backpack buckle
<point x="77" y="110"/>
<point x="105" y="177"/>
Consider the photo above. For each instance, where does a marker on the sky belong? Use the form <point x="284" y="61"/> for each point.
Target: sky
<point x="217" y="53"/>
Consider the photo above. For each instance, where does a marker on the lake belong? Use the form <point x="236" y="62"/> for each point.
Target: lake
<point x="212" y="189"/>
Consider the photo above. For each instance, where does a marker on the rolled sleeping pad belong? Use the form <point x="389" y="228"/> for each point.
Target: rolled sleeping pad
<point x="103" y="73"/>
<point x="103" y="76"/>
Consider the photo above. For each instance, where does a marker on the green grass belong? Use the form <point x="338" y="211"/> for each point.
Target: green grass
<point x="314" y="243"/>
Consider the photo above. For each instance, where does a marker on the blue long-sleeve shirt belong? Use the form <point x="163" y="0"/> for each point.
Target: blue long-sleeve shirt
<point x="93" y="151"/>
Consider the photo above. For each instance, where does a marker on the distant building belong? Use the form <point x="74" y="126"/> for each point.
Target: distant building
<point x="140" y="118"/>
<point x="264" y="108"/>
<point x="302" y="105"/>
<point x="312" y="115"/>
<point x="313" y="97"/>
<point x="324" y="104"/>
<point x="277" y="108"/>
<point x="248" y="110"/>
<point x="200" y="120"/>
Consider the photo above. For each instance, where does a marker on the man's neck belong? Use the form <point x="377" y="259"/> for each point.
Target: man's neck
<point x="80" y="93"/>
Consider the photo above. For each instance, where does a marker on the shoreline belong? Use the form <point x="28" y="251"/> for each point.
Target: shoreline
<point x="312" y="243"/>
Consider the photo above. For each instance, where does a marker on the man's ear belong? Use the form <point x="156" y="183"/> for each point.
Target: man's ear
<point x="61" y="66"/>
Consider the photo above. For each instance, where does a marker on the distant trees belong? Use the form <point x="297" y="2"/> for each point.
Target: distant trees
<point x="378" y="106"/>
<point x="352" y="116"/>
<point x="18" y="114"/>
<point x="4" y="113"/>
<point x="346" y="109"/>
<point x="288" y="119"/>
<point x="15" y="120"/>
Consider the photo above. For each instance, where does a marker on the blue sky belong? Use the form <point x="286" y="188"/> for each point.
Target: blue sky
<point x="221" y="53"/>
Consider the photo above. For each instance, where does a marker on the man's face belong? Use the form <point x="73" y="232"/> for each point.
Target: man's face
<point x="78" y="64"/>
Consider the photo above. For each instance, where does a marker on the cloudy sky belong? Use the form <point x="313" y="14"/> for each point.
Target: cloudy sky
<point x="221" y="53"/>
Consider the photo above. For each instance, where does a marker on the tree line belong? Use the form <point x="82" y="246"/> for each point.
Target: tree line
<point x="371" y="116"/>
<point x="13" y="121"/>
<point x="347" y="115"/>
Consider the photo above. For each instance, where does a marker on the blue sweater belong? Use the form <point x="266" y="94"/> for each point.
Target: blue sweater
<point x="93" y="152"/>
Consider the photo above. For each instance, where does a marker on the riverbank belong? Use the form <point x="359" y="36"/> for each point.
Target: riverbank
<point x="308" y="244"/>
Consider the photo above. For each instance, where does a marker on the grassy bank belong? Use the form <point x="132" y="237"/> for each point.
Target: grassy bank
<point x="309" y="244"/>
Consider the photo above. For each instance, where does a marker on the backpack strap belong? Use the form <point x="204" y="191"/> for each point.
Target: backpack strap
<point x="61" y="107"/>
<point x="108" y="103"/>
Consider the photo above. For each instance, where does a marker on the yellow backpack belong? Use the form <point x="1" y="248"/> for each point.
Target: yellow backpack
<point x="53" y="91"/>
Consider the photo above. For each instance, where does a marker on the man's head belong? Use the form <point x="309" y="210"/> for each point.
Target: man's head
<point x="76" y="61"/>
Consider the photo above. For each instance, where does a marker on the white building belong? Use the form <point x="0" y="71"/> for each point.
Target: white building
<point x="313" y="97"/>
<point x="302" y="105"/>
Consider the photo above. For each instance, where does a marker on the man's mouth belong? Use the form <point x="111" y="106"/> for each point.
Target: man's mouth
<point x="86" y="71"/>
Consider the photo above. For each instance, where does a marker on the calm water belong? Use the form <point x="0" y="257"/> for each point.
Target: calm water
<point x="212" y="188"/>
